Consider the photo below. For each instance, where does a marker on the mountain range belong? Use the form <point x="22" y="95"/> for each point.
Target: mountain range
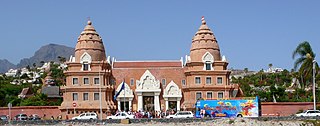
<point x="46" y="53"/>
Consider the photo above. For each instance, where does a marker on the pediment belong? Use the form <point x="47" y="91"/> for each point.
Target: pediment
<point x="148" y="82"/>
<point x="172" y="90"/>
<point x="85" y="57"/>
<point x="207" y="57"/>
<point x="127" y="92"/>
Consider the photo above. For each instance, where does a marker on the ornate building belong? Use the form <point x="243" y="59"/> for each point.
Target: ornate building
<point x="87" y="78"/>
<point x="148" y="85"/>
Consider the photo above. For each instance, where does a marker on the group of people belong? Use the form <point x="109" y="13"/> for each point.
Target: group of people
<point x="150" y="114"/>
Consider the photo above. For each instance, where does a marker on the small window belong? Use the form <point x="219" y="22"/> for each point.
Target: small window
<point x="198" y="95"/>
<point x="75" y="96"/>
<point x="209" y="95"/>
<point x="112" y="81"/>
<point x="197" y="80"/>
<point x="96" y="81"/>
<point x="85" y="66"/>
<point x="131" y="81"/>
<point x="208" y="80"/>
<point x="219" y="80"/>
<point x="96" y="96"/>
<point x="85" y="96"/>
<point x="220" y="95"/>
<point x="208" y="66"/>
<point x="85" y="80"/>
<point x="163" y="81"/>
<point x="74" y="81"/>
<point x="183" y="82"/>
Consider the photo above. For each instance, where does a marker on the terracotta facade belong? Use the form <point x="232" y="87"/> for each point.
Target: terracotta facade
<point x="148" y="85"/>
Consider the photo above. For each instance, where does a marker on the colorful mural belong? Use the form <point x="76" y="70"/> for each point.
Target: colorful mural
<point x="242" y="107"/>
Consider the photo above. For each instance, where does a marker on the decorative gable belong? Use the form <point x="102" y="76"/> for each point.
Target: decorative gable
<point x="85" y="58"/>
<point x="148" y="82"/>
<point x="127" y="92"/>
<point x="207" y="57"/>
<point x="172" y="90"/>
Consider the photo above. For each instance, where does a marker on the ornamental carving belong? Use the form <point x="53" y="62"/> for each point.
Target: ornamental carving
<point x="126" y="92"/>
<point x="85" y="58"/>
<point x="148" y="82"/>
<point x="172" y="90"/>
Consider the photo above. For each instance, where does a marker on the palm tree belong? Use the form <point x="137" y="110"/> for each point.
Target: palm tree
<point x="61" y="59"/>
<point x="246" y="70"/>
<point x="305" y="61"/>
<point x="270" y="67"/>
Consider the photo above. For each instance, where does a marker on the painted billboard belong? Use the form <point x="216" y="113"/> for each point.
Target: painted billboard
<point x="239" y="107"/>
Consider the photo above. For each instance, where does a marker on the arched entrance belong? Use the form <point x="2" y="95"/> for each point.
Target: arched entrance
<point x="172" y="96"/>
<point x="125" y="98"/>
<point x="148" y="91"/>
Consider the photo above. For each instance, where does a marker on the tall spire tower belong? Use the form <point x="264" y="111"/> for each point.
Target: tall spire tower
<point x="204" y="41"/>
<point x="88" y="87"/>
<point x="206" y="71"/>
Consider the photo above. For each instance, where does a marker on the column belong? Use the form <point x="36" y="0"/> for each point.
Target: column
<point x="178" y="105"/>
<point x="130" y="107"/>
<point x="119" y="105"/>
<point x="140" y="102"/>
<point x="167" y="104"/>
<point x="156" y="102"/>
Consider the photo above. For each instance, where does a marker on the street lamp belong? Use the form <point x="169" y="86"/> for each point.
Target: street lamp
<point x="100" y="91"/>
<point x="314" y="85"/>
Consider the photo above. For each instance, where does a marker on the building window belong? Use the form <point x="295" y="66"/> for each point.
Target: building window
<point x="96" y="81"/>
<point x="209" y="95"/>
<point x="112" y="81"/>
<point x="131" y="81"/>
<point x="96" y="96"/>
<point x="85" y="66"/>
<point x="74" y="81"/>
<point x="85" y="96"/>
<point x="75" y="96"/>
<point x="197" y="80"/>
<point x="183" y="82"/>
<point x="163" y="81"/>
<point x="219" y="80"/>
<point x="220" y="95"/>
<point x="208" y="80"/>
<point x="85" y="80"/>
<point x="198" y="95"/>
<point x="208" y="66"/>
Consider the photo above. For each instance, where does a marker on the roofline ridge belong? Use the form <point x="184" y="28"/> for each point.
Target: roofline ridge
<point x="149" y="61"/>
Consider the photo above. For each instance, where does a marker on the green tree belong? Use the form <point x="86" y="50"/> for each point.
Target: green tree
<point x="270" y="66"/>
<point x="41" y="62"/>
<point x="246" y="70"/>
<point x="37" y="100"/>
<point x="61" y="59"/>
<point x="305" y="61"/>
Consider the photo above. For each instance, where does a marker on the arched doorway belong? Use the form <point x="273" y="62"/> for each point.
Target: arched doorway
<point x="125" y="98"/>
<point x="172" y="96"/>
<point x="148" y="91"/>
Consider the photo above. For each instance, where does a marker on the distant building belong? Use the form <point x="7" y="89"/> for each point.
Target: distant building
<point x="273" y="70"/>
<point x="26" y="93"/>
<point x="11" y="72"/>
<point x="148" y="85"/>
<point x="52" y="92"/>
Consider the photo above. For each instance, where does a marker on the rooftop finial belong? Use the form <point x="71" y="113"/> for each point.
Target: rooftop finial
<point x="89" y="21"/>
<point x="203" y="21"/>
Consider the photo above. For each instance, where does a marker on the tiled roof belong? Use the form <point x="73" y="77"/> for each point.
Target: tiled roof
<point x="51" y="91"/>
<point x="146" y="64"/>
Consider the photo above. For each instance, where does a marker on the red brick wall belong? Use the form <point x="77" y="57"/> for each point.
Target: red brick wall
<point x="284" y="108"/>
<point x="268" y="109"/>
<point x="40" y="110"/>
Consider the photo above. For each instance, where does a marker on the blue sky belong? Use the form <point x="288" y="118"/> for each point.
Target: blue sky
<point x="250" y="34"/>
